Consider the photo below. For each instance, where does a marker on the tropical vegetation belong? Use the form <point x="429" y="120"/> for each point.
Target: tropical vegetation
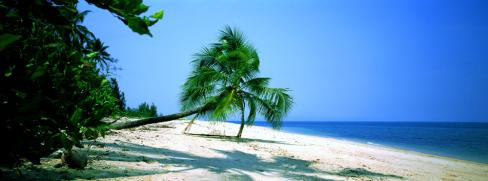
<point x="55" y="75"/>
<point x="144" y="110"/>
<point x="224" y="81"/>
<point x="225" y="77"/>
<point x="57" y="83"/>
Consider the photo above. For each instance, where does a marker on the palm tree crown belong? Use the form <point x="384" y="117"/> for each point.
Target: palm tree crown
<point x="224" y="79"/>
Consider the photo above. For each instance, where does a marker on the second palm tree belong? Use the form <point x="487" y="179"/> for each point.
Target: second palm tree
<point x="224" y="80"/>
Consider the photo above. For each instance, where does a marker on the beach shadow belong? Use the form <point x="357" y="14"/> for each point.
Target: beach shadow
<point x="234" y="165"/>
<point x="235" y="139"/>
<point x="234" y="161"/>
<point x="34" y="173"/>
<point x="361" y="172"/>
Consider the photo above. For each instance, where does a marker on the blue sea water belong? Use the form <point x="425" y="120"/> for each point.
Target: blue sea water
<point x="467" y="141"/>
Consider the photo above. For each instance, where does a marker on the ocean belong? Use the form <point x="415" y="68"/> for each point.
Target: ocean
<point x="466" y="141"/>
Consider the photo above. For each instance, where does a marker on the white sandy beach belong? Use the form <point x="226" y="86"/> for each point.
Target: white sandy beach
<point x="162" y="152"/>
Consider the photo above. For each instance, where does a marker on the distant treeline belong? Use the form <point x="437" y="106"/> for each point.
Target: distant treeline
<point x="143" y="110"/>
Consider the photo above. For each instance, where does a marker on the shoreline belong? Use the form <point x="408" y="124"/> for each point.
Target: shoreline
<point x="383" y="145"/>
<point x="388" y="147"/>
<point x="210" y="152"/>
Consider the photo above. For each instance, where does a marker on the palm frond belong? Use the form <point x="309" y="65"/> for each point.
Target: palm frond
<point x="231" y="38"/>
<point x="195" y="97"/>
<point x="206" y="58"/>
<point x="252" y="111"/>
<point x="245" y="64"/>
<point x="201" y="84"/>
<point x="273" y="104"/>
<point x="227" y="104"/>
<point x="256" y="85"/>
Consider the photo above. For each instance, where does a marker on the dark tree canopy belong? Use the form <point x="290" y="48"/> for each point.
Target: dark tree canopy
<point x="118" y="94"/>
<point x="54" y="74"/>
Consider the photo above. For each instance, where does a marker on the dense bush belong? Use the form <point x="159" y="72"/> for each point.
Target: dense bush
<point x="53" y="75"/>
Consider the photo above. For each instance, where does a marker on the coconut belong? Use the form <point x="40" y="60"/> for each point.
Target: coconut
<point x="74" y="158"/>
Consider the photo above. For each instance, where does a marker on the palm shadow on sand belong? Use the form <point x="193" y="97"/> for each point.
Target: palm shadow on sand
<point x="233" y="165"/>
<point x="235" y="139"/>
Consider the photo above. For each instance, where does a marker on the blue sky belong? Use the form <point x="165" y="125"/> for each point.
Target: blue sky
<point x="344" y="60"/>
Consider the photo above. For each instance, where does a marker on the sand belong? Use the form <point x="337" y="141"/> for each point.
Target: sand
<point x="162" y="152"/>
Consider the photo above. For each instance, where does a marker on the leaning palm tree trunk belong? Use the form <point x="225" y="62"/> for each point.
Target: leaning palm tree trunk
<point x="189" y="124"/>
<point x="141" y="122"/>
<point x="242" y="122"/>
<point x="240" y="129"/>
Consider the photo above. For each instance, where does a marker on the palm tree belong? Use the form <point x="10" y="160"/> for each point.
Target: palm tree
<point x="225" y="80"/>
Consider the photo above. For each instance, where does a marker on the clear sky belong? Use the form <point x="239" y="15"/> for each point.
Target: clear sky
<point x="344" y="60"/>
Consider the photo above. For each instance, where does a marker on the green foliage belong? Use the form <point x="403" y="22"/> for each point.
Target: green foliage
<point x="7" y="39"/>
<point x="143" y="110"/>
<point x="119" y="95"/>
<point x="53" y="74"/>
<point x="224" y="79"/>
<point x="129" y="11"/>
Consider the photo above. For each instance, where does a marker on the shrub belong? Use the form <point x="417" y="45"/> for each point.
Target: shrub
<point x="53" y="75"/>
